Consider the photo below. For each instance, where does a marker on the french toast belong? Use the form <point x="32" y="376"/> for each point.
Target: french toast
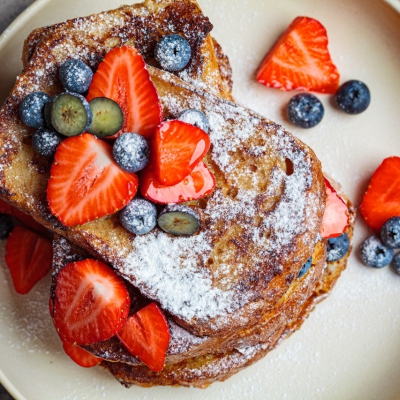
<point x="257" y="232"/>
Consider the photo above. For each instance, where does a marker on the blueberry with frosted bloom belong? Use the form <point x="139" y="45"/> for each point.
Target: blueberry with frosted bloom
<point x="131" y="152"/>
<point x="31" y="109"/>
<point x="139" y="216"/>
<point x="375" y="254"/>
<point x="173" y="52"/>
<point x="76" y="76"/>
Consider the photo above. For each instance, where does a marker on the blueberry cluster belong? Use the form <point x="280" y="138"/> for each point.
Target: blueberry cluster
<point x="306" y="111"/>
<point x="377" y="251"/>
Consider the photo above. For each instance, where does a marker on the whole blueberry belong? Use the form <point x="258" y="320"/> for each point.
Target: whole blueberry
<point x="396" y="263"/>
<point x="196" y="118"/>
<point x="337" y="248"/>
<point x="31" y="109"/>
<point x="76" y="76"/>
<point x="390" y="233"/>
<point x="6" y="226"/>
<point x="173" y="52"/>
<point x="305" y="268"/>
<point x="375" y="254"/>
<point x="131" y="152"/>
<point x="353" y="97"/>
<point x="45" y="142"/>
<point x="139" y="216"/>
<point x="305" y="110"/>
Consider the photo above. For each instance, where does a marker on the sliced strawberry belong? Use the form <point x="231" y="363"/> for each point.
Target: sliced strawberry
<point x="336" y="216"/>
<point x="26" y="219"/>
<point x="146" y="336"/>
<point x="123" y="77"/>
<point x="176" y="148"/>
<point x="29" y="257"/>
<point x="91" y="302"/>
<point x="199" y="183"/>
<point x="300" y="60"/>
<point x="86" y="183"/>
<point x="80" y="356"/>
<point x="382" y="199"/>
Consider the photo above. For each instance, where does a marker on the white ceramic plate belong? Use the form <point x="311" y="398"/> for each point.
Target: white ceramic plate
<point x="350" y="346"/>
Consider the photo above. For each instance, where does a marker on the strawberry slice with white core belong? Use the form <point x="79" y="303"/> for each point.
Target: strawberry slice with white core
<point x="86" y="183"/>
<point x="91" y="302"/>
<point x="80" y="356"/>
<point x="122" y="76"/>
<point x="146" y="335"/>
<point x="336" y="216"/>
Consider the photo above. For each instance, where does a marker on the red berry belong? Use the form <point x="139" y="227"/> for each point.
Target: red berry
<point x="29" y="256"/>
<point x="300" y="60"/>
<point x="91" y="302"/>
<point x="80" y="356"/>
<point x="86" y="183"/>
<point x="199" y="183"/>
<point x="176" y="148"/>
<point x="122" y="76"/>
<point x="146" y="336"/>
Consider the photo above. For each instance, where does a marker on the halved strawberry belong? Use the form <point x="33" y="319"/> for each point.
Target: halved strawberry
<point x="300" y="60"/>
<point x="29" y="257"/>
<point x="91" y="302"/>
<point x="122" y="76"/>
<point x="80" y="356"/>
<point x="176" y="148"/>
<point x="336" y="216"/>
<point x="86" y="183"/>
<point x="146" y="335"/>
<point x="199" y="183"/>
<point x="26" y="219"/>
<point x="382" y="199"/>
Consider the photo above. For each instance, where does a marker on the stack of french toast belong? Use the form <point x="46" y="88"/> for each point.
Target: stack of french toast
<point x="234" y="290"/>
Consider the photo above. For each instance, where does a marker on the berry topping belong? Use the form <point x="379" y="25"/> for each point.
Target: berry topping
<point x="173" y="52"/>
<point x="139" y="216"/>
<point x="32" y="109"/>
<point x="353" y="97"/>
<point x="196" y="118"/>
<point x="305" y="110"/>
<point x="80" y="356"/>
<point x="91" y="302"/>
<point x="45" y="142"/>
<point x="6" y="226"/>
<point x="390" y="233"/>
<point x="199" y="183"/>
<point x="381" y="201"/>
<point x="396" y="263"/>
<point x="179" y="220"/>
<point x="146" y="335"/>
<point x="70" y="114"/>
<point x="29" y="257"/>
<point x="131" y="152"/>
<point x="300" y="60"/>
<point x="76" y="76"/>
<point x="336" y="216"/>
<point x="108" y="118"/>
<point x="338" y="247"/>
<point x="305" y="268"/>
<point x="176" y="148"/>
<point x="86" y="183"/>
<point x="123" y="77"/>
<point x="375" y="254"/>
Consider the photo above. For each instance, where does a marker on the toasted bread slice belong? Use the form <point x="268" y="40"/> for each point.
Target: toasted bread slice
<point x="247" y="253"/>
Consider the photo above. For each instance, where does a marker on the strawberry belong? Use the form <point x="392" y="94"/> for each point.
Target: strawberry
<point x="176" y="148"/>
<point x="91" y="302"/>
<point x="336" y="216"/>
<point x="26" y="219"/>
<point x="300" y="60"/>
<point x="123" y="77"/>
<point x="146" y="336"/>
<point x="86" y="183"/>
<point x="29" y="257"/>
<point x="199" y="183"/>
<point x="382" y="199"/>
<point x="80" y="356"/>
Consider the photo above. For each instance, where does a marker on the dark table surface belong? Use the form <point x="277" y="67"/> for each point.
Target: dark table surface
<point x="10" y="9"/>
